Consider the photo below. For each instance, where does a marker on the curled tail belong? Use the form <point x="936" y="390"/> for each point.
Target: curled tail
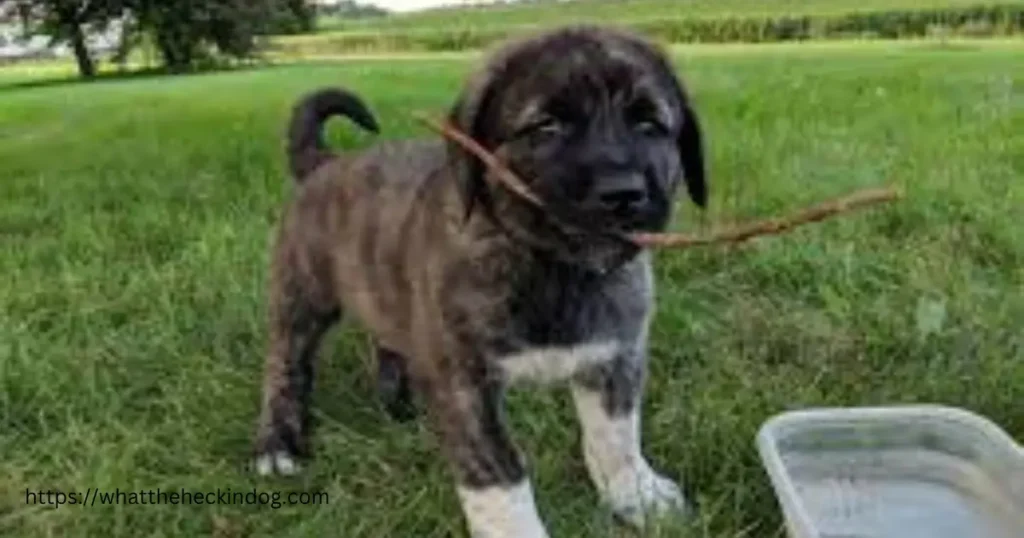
<point x="306" y="147"/>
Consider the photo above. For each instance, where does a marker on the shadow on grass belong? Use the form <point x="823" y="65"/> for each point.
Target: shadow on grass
<point x="135" y="74"/>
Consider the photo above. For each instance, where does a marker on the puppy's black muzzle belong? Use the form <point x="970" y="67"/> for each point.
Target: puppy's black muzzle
<point x="625" y="200"/>
<point x="622" y="195"/>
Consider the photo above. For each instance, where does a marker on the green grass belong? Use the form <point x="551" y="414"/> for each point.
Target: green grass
<point x="135" y="219"/>
<point x="617" y="11"/>
<point x="667" y="21"/>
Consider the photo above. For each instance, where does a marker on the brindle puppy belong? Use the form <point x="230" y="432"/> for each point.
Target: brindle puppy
<point x="465" y="288"/>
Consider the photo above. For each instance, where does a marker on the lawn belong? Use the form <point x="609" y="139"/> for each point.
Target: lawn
<point x="501" y="15"/>
<point x="135" y="218"/>
<point x="669" y="21"/>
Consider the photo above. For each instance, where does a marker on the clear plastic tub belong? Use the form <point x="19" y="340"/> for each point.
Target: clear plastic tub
<point x="894" y="472"/>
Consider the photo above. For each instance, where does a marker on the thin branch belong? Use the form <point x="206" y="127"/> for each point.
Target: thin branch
<point x="510" y="180"/>
<point x="772" y="226"/>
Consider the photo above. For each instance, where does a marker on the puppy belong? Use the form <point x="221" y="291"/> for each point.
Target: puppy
<point x="465" y="289"/>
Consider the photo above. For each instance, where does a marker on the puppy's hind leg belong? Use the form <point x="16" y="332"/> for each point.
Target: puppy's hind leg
<point x="299" y="317"/>
<point x="393" y="384"/>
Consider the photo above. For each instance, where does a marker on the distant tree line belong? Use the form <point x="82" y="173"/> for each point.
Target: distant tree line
<point x="350" y="9"/>
<point x="185" y="33"/>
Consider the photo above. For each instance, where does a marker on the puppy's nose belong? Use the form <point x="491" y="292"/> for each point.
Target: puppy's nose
<point x="623" y="195"/>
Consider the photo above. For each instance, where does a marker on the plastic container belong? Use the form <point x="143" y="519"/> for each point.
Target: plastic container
<point x="894" y="472"/>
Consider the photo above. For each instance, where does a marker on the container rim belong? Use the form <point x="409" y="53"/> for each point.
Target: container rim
<point x="797" y="518"/>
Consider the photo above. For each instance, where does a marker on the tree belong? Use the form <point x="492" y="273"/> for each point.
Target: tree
<point x="189" y="32"/>
<point x="294" y="17"/>
<point x="186" y="33"/>
<point x="66" y="21"/>
<point x="351" y="9"/>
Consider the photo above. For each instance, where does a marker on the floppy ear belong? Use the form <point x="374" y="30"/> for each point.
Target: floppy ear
<point x="469" y="115"/>
<point x="689" y="142"/>
<point x="691" y="155"/>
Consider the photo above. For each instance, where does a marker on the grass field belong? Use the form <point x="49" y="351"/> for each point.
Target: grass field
<point x="670" y="21"/>
<point x="617" y="11"/>
<point x="135" y="219"/>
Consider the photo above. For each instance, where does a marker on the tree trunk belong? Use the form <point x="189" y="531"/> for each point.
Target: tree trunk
<point x="175" y="50"/>
<point x="86" y="67"/>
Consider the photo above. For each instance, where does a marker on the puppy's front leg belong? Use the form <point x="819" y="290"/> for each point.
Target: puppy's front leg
<point x="607" y="401"/>
<point x="491" y="478"/>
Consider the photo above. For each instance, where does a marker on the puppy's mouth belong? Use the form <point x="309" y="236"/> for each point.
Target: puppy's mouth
<point x="621" y="219"/>
<point x="596" y="236"/>
<point x="599" y="238"/>
<point x="627" y="220"/>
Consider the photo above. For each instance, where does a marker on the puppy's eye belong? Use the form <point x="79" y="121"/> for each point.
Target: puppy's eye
<point x="650" y="127"/>
<point x="642" y="115"/>
<point x="547" y="126"/>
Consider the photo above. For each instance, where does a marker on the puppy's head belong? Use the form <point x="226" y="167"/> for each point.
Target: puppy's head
<point x="593" y="119"/>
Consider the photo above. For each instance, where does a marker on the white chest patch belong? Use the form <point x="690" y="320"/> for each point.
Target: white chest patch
<point x="554" y="364"/>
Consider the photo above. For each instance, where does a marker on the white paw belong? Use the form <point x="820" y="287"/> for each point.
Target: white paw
<point x="502" y="512"/>
<point x="277" y="463"/>
<point x="642" y="494"/>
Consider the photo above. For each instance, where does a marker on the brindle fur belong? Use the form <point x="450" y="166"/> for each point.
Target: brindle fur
<point x="451" y="275"/>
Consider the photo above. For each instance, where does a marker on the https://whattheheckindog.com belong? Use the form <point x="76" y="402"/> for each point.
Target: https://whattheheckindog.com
<point x="97" y="497"/>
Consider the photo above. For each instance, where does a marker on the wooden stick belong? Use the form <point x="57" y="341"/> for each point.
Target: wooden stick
<point x="772" y="226"/>
<point x="504" y="175"/>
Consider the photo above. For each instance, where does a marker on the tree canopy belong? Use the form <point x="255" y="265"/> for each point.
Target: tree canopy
<point x="186" y="33"/>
